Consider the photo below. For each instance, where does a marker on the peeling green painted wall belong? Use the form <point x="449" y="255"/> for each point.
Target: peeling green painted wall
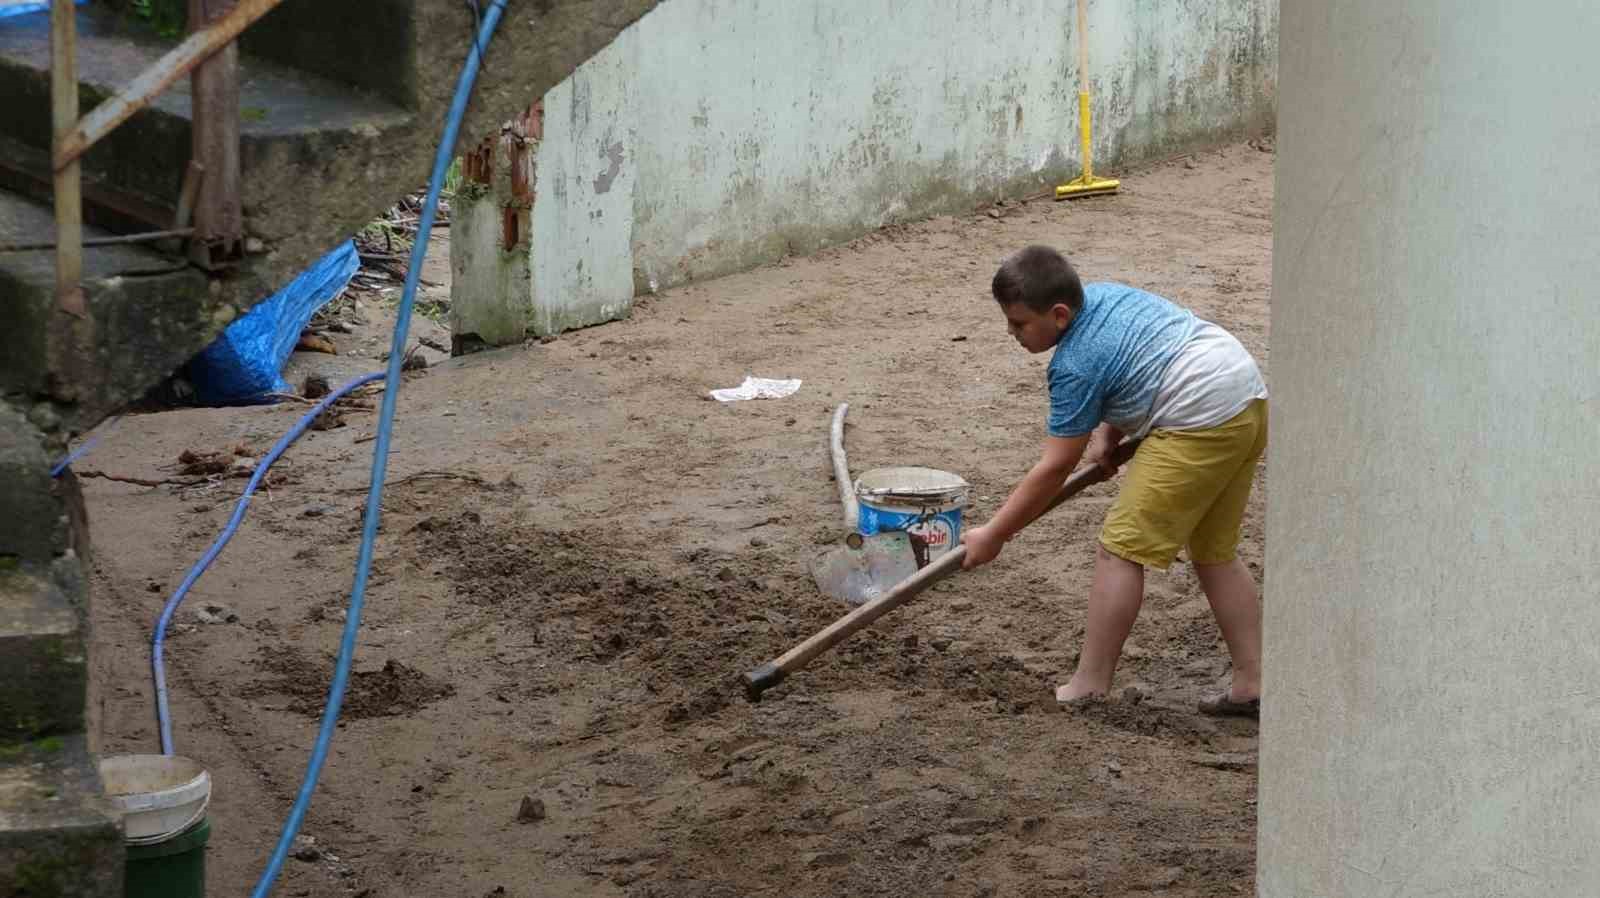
<point x="714" y="136"/>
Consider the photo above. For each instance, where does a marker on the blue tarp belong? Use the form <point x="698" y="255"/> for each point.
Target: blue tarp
<point x="22" y="9"/>
<point x="244" y="364"/>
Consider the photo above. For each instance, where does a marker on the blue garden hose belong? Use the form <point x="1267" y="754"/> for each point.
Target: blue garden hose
<point x="163" y="715"/>
<point x="380" y="450"/>
<point x="71" y="457"/>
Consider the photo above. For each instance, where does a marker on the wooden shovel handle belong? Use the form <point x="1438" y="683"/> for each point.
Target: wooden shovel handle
<point x="773" y="672"/>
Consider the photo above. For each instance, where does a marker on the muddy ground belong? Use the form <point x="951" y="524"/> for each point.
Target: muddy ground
<point x="580" y="553"/>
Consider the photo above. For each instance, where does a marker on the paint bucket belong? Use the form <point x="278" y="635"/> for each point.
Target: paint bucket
<point x="924" y="502"/>
<point x="175" y="868"/>
<point x="163" y="799"/>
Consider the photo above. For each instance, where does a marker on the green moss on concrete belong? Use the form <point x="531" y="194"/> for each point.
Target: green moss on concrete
<point x="43" y="876"/>
<point x="169" y="18"/>
<point x="470" y="191"/>
<point x="67" y="864"/>
<point x="43" y="665"/>
<point x="59" y="837"/>
<point x="39" y="749"/>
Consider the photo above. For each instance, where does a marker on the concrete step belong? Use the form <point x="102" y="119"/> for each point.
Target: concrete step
<point x="32" y="529"/>
<point x="287" y="117"/>
<point x="43" y="668"/>
<point x="58" y="835"/>
<point x="151" y="312"/>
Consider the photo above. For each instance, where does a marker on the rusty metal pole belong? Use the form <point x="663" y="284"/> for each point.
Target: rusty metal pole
<point x="69" y="178"/>
<point x="218" y="217"/>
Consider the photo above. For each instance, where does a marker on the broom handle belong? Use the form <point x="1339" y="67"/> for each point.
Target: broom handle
<point x="1083" y="88"/>
<point x="1083" y="46"/>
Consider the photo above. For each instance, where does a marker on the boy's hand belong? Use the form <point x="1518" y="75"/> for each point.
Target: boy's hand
<point x="1101" y="451"/>
<point x="983" y="546"/>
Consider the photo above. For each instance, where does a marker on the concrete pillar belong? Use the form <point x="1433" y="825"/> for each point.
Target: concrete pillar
<point x="1432" y="616"/>
<point x="491" y="296"/>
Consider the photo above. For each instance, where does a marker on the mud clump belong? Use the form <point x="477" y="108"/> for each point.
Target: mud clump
<point x="1150" y="720"/>
<point x="696" y="707"/>
<point x="682" y="628"/>
<point x="396" y="689"/>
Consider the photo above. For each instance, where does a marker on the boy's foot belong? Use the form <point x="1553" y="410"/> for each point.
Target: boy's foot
<point x="1224" y="705"/>
<point x="1067" y="698"/>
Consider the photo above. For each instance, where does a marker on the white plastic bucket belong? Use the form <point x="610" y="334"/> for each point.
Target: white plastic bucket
<point x="924" y="502"/>
<point x="160" y="795"/>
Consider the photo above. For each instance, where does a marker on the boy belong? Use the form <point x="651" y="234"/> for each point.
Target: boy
<point x="1129" y="363"/>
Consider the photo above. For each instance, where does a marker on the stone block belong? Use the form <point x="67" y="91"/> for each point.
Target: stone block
<point x="59" y="836"/>
<point x="147" y="317"/>
<point x="33" y="520"/>
<point x="43" y="663"/>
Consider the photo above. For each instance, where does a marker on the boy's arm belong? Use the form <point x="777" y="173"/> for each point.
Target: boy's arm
<point x="1038" y="487"/>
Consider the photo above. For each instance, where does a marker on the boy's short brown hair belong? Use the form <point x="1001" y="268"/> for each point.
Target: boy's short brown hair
<point x="1039" y="278"/>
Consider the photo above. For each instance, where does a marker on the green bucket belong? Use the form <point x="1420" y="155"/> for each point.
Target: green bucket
<point x="173" y="868"/>
<point x="163" y="799"/>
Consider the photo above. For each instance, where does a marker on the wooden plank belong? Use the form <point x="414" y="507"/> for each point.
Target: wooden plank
<point x="68" y="178"/>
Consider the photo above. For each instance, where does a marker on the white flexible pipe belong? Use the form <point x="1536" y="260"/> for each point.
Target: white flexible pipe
<point x="841" y="470"/>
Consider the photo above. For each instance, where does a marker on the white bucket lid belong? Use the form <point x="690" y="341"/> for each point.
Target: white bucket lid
<point x="916" y="485"/>
<point x="160" y="796"/>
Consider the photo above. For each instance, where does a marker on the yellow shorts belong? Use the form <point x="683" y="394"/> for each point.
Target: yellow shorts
<point x="1188" y="488"/>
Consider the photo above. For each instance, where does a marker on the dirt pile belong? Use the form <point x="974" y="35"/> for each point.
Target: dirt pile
<point x="687" y="631"/>
<point x="394" y="689"/>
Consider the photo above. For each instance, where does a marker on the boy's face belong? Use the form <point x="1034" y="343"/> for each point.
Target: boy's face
<point x="1036" y="331"/>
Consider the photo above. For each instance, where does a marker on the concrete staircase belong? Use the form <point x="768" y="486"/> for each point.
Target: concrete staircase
<point x="57" y="834"/>
<point x="341" y="106"/>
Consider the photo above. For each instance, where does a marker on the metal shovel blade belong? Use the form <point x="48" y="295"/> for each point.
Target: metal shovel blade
<point x="859" y="575"/>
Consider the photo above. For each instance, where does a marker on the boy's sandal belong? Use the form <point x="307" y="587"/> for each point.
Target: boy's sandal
<point x="1220" y="705"/>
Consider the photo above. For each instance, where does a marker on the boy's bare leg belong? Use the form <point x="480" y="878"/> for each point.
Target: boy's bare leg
<point x="1232" y="593"/>
<point x="1114" y="602"/>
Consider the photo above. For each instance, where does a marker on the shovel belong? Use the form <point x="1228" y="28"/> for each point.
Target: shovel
<point x="861" y="569"/>
<point x="773" y="672"/>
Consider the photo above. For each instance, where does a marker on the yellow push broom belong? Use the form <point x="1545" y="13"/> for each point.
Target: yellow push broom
<point x="1085" y="184"/>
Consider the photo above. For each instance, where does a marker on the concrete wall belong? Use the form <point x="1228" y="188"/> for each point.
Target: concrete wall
<point x="712" y="136"/>
<point x="586" y="186"/>
<point x="1431" y="610"/>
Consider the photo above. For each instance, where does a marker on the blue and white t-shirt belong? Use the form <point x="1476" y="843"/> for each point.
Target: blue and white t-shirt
<point x="1137" y="361"/>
